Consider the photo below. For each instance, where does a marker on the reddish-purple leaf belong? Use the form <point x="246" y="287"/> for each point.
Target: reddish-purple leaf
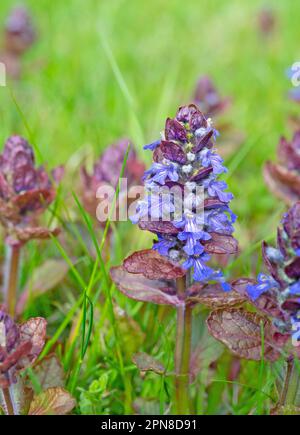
<point x="175" y="131"/>
<point x="139" y="288"/>
<point x="30" y="233"/>
<point x="34" y="200"/>
<point x="14" y="358"/>
<point x="192" y="115"/>
<point x="202" y="173"/>
<point x="242" y="331"/>
<point x="212" y="203"/>
<point x="152" y="265"/>
<point x="159" y="227"/>
<point x="288" y="152"/>
<point x="291" y="225"/>
<point x="34" y="332"/>
<point x="221" y="244"/>
<point x="284" y="183"/>
<point x="272" y="267"/>
<point x="213" y="296"/>
<point x="173" y="152"/>
<point x="58" y="173"/>
<point x="158" y="155"/>
<point x="293" y="269"/>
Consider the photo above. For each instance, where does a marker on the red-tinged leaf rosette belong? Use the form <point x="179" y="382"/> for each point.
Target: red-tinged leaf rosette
<point x="207" y="97"/>
<point x="19" y="32"/>
<point x="266" y="21"/>
<point x="277" y="294"/>
<point x="212" y="104"/>
<point x="20" y="345"/>
<point x="25" y="192"/>
<point x="19" y="35"/>
<point x="107" y="170"/>
<point x="283" y="178"/>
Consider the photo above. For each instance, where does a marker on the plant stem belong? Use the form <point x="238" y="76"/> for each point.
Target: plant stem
<point x="182" y="353"/>
<point x="11" y="278"/>
<point x="7" y="401"/>
<point x="291" y="385"/>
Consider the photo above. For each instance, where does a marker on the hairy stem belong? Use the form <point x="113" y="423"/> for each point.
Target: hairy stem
<point x="182" y="353"/>
<point x="9" y="408"/>
<point x="291" y="385"/>
<point x="11" y="274"/>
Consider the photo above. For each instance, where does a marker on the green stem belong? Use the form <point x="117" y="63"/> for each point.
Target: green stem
<point x="182" y="353"/>
<point x="291" y="385"/>
<point x="11" y="278"/>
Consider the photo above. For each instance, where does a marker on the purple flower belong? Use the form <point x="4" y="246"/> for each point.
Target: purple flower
<point x="190" y="222"/>
<point x="203" y="132"/>
<point x="282" y="286"/>
<point x="152" y="146"/>
<point x="216" y="189"/>
<point x="163" y="245"/>
<point x="294" y="289"/>
<point x="107" y="169"/>
<point x="210" y="158"/>
<point x="295" y="327"/>
<point x="108" y="166"/>
<point x="25" y="191"/>
<point x="265" y="284"/>
<point x="197" y="261"/>
<point x="294" y="94"/>
<point x="20" y="34"/>
<point x="208" y="98"/>
<point x="159" y="172"/>
<point x="186" y="158"/>
<point x="218" y="221"/>
<point x="192" y="244"/>
<point x="154" y="207"/>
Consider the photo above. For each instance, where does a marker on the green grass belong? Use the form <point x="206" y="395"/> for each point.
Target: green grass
<point x="102" y="70"/>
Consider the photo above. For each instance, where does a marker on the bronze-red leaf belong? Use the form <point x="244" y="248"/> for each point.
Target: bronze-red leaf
<point x="162" y="227"/>
<point x="213" y="296"/>
<point x="173" y="152"/>
<point x="139" y="288"/>
<point x="33" y="331"/>
<point x="242" y="331"/>
<point x="152" y="265"/>
<point x="221" y="244"/>
<point x="284" y="183"/>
